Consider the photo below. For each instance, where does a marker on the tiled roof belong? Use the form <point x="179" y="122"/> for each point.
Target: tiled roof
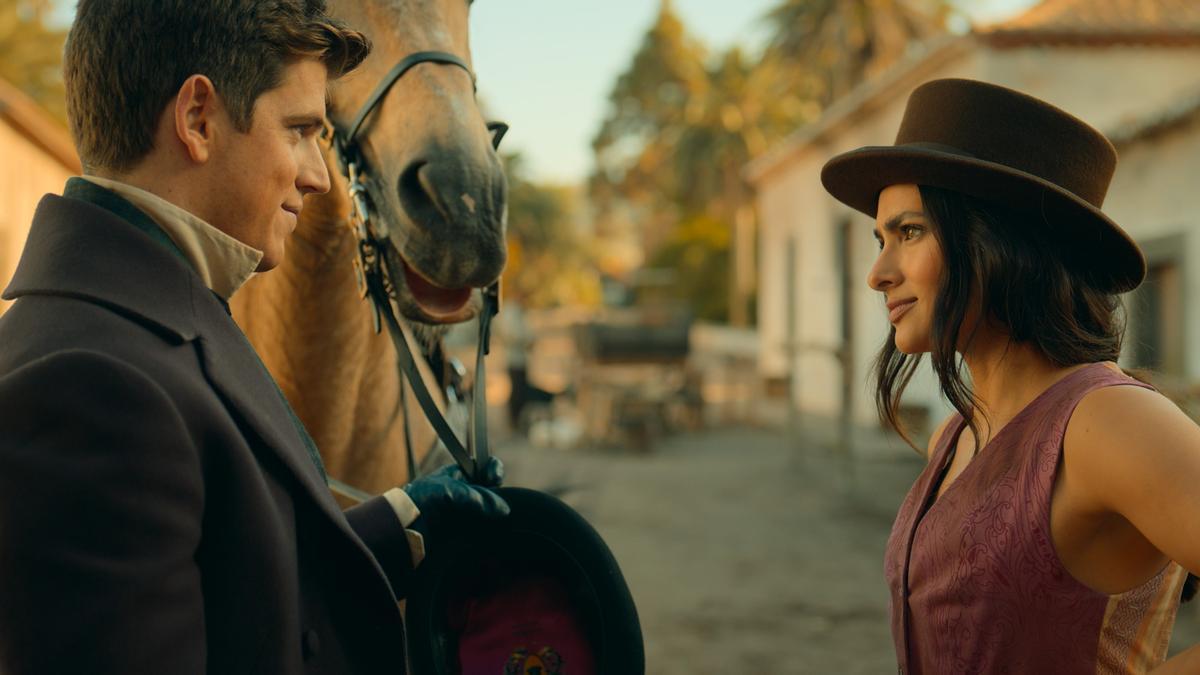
<point x="1100" y="22"/>
<point x="1173" y="116"/>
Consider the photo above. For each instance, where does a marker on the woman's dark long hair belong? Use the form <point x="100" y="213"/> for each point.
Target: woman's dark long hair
<point x="1010" y="262"/>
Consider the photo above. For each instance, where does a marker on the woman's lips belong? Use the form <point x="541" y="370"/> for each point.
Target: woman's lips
<point x="898" y="311"/>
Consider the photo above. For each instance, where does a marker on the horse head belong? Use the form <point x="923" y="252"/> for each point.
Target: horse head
<point x="430" y="169"/>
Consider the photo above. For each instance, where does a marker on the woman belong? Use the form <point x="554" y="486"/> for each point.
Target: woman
<point x="1053" y="526"/>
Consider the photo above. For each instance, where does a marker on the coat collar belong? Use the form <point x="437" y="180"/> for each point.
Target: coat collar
<point x="83" y="246"/>
<point x="87" y="249"/>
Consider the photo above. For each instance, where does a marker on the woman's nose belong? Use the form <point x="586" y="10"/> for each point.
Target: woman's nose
<point x="883" y="274"/>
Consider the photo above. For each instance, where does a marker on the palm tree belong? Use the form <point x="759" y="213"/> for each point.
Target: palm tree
<point x="837" y="44"/>
<point x="635" y="144"/>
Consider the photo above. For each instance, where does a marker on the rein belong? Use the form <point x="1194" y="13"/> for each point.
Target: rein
<point x="376" y="278"/>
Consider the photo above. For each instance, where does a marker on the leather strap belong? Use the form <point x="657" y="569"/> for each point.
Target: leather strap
<point x="374" y="268"/>
<point x="477" y="439"/>
<point x="396" y="73"/>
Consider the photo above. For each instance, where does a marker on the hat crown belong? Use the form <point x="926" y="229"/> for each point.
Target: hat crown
<point x="999" y="125"/>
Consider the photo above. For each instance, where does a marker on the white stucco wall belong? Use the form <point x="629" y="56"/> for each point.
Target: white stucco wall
<point x="26" y="173"/>
<point x="1105" y="87"/>
<point x="794" y="205"/>
<point x="1154" y="197"/>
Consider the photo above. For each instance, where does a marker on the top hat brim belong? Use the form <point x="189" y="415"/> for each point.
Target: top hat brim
<point x="1082" y="231"/>
<point x="541" y="532"/>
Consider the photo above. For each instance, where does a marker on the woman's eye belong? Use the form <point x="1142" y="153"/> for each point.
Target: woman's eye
<point x="910" y="231"/>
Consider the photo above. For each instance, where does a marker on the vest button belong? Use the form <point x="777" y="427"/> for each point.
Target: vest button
<point x="310" y="644"/>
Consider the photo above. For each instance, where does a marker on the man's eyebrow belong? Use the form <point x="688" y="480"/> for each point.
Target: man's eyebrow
<point x="894" y="222"/>
<point x="304" y="119"/>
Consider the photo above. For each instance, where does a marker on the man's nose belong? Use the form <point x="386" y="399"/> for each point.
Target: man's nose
<point x="314" y="175"/>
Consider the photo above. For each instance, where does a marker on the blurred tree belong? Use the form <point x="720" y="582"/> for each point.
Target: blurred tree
<point x="549" y="258"/>
<point x="833" y="45"/>
<point x="680" y="129"/>
<point x="671" y="151"/>
<point x="740" y="114"/>
<point x="635" y="145"/>
<point x="31" y="53"/>
<point x="698" y="253"/>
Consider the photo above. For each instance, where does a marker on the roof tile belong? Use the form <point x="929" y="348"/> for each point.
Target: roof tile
<point x="1101" y="21"/>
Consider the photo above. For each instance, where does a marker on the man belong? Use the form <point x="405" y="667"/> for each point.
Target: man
<point x="161" y="508"/>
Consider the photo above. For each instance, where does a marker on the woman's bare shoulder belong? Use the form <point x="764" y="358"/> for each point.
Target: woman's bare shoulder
<point x="1116" y="431"/>
<point x="1132" y="451"/>
<point x="937" y="435"/>
<point x="1120" y="409"/>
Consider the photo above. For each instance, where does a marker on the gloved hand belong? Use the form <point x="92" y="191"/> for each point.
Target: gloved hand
<point x="445" y="493"/>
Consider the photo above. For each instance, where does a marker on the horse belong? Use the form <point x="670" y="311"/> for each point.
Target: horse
<point x="435" y="180"/>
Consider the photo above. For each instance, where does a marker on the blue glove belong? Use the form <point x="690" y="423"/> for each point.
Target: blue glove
<point x="446" y="493"/>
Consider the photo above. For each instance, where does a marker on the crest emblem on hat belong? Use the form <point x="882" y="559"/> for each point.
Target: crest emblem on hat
<point x="545" y="662"/>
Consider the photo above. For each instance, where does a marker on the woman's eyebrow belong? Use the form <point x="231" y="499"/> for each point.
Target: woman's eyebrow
<point x="894" y="222"/>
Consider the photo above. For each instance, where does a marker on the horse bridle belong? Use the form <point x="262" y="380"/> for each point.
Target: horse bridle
<point x="375" y="275"/>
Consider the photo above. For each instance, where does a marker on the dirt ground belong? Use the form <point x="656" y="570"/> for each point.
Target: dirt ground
<point x="747" y="551"/>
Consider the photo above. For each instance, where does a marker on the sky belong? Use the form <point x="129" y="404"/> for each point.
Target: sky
<point x="547" y="66"/>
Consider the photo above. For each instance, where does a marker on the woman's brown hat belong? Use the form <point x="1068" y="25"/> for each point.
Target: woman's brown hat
<point x="1001" y="145"/>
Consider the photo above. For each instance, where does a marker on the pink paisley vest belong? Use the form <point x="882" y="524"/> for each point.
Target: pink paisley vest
<point x="976" y="584"/>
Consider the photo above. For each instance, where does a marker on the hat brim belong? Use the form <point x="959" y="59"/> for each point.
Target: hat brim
<point x="1090" y="241"/>
<point x="543" y="533"/>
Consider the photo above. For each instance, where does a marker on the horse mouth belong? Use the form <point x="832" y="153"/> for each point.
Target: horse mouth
<point x="439" y="304"/>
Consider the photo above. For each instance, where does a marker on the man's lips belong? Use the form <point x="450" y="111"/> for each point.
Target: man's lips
<point x="433" y="299"/>
<point x="897" y="308"/>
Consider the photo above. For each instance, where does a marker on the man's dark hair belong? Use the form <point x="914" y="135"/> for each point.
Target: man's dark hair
<point x="126" y="59"/>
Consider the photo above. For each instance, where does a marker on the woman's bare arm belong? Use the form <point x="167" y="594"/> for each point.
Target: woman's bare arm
<point x="1140" y="458"/>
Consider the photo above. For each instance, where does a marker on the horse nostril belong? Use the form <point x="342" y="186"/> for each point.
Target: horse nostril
<point x="413" y="192"/>
<point x="453" y="220"/>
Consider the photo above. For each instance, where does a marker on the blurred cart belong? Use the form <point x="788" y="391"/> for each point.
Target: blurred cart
<point x="633" y="382"/>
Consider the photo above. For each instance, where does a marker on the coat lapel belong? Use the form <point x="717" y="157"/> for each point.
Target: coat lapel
<point x="239" y="376"/>
<point x="83" y="249"/>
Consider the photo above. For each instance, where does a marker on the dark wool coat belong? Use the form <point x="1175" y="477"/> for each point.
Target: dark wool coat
<point x="159" y="509"/>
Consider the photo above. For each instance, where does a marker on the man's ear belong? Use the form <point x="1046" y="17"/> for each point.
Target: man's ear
<point x="197" y="107"/>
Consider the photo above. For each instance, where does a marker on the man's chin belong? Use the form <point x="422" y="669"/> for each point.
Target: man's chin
<point x="269" y="262"/>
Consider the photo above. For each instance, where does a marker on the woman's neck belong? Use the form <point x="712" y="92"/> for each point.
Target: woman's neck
<point x="1006" y="376"/>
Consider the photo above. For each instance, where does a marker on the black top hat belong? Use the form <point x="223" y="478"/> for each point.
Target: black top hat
<point x="536" y="591"/>
<point x="1001" y="145"/>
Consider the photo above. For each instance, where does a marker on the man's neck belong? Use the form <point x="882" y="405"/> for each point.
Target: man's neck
<point x="165" y="175"/>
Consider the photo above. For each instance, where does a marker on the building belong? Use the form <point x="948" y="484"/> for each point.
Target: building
<point x="36" y="157"/>
<point x="1131" y="68"/>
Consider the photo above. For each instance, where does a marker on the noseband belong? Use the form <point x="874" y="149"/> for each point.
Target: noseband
<point x="376" y="280"/>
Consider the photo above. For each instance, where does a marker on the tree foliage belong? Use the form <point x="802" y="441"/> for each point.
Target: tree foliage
<point x="697" y="253"/>
<point x="681" y="126"/>
<point x="31" y="53"/>
<point x="836" y="44"/>
<point x="549" y="261"/>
